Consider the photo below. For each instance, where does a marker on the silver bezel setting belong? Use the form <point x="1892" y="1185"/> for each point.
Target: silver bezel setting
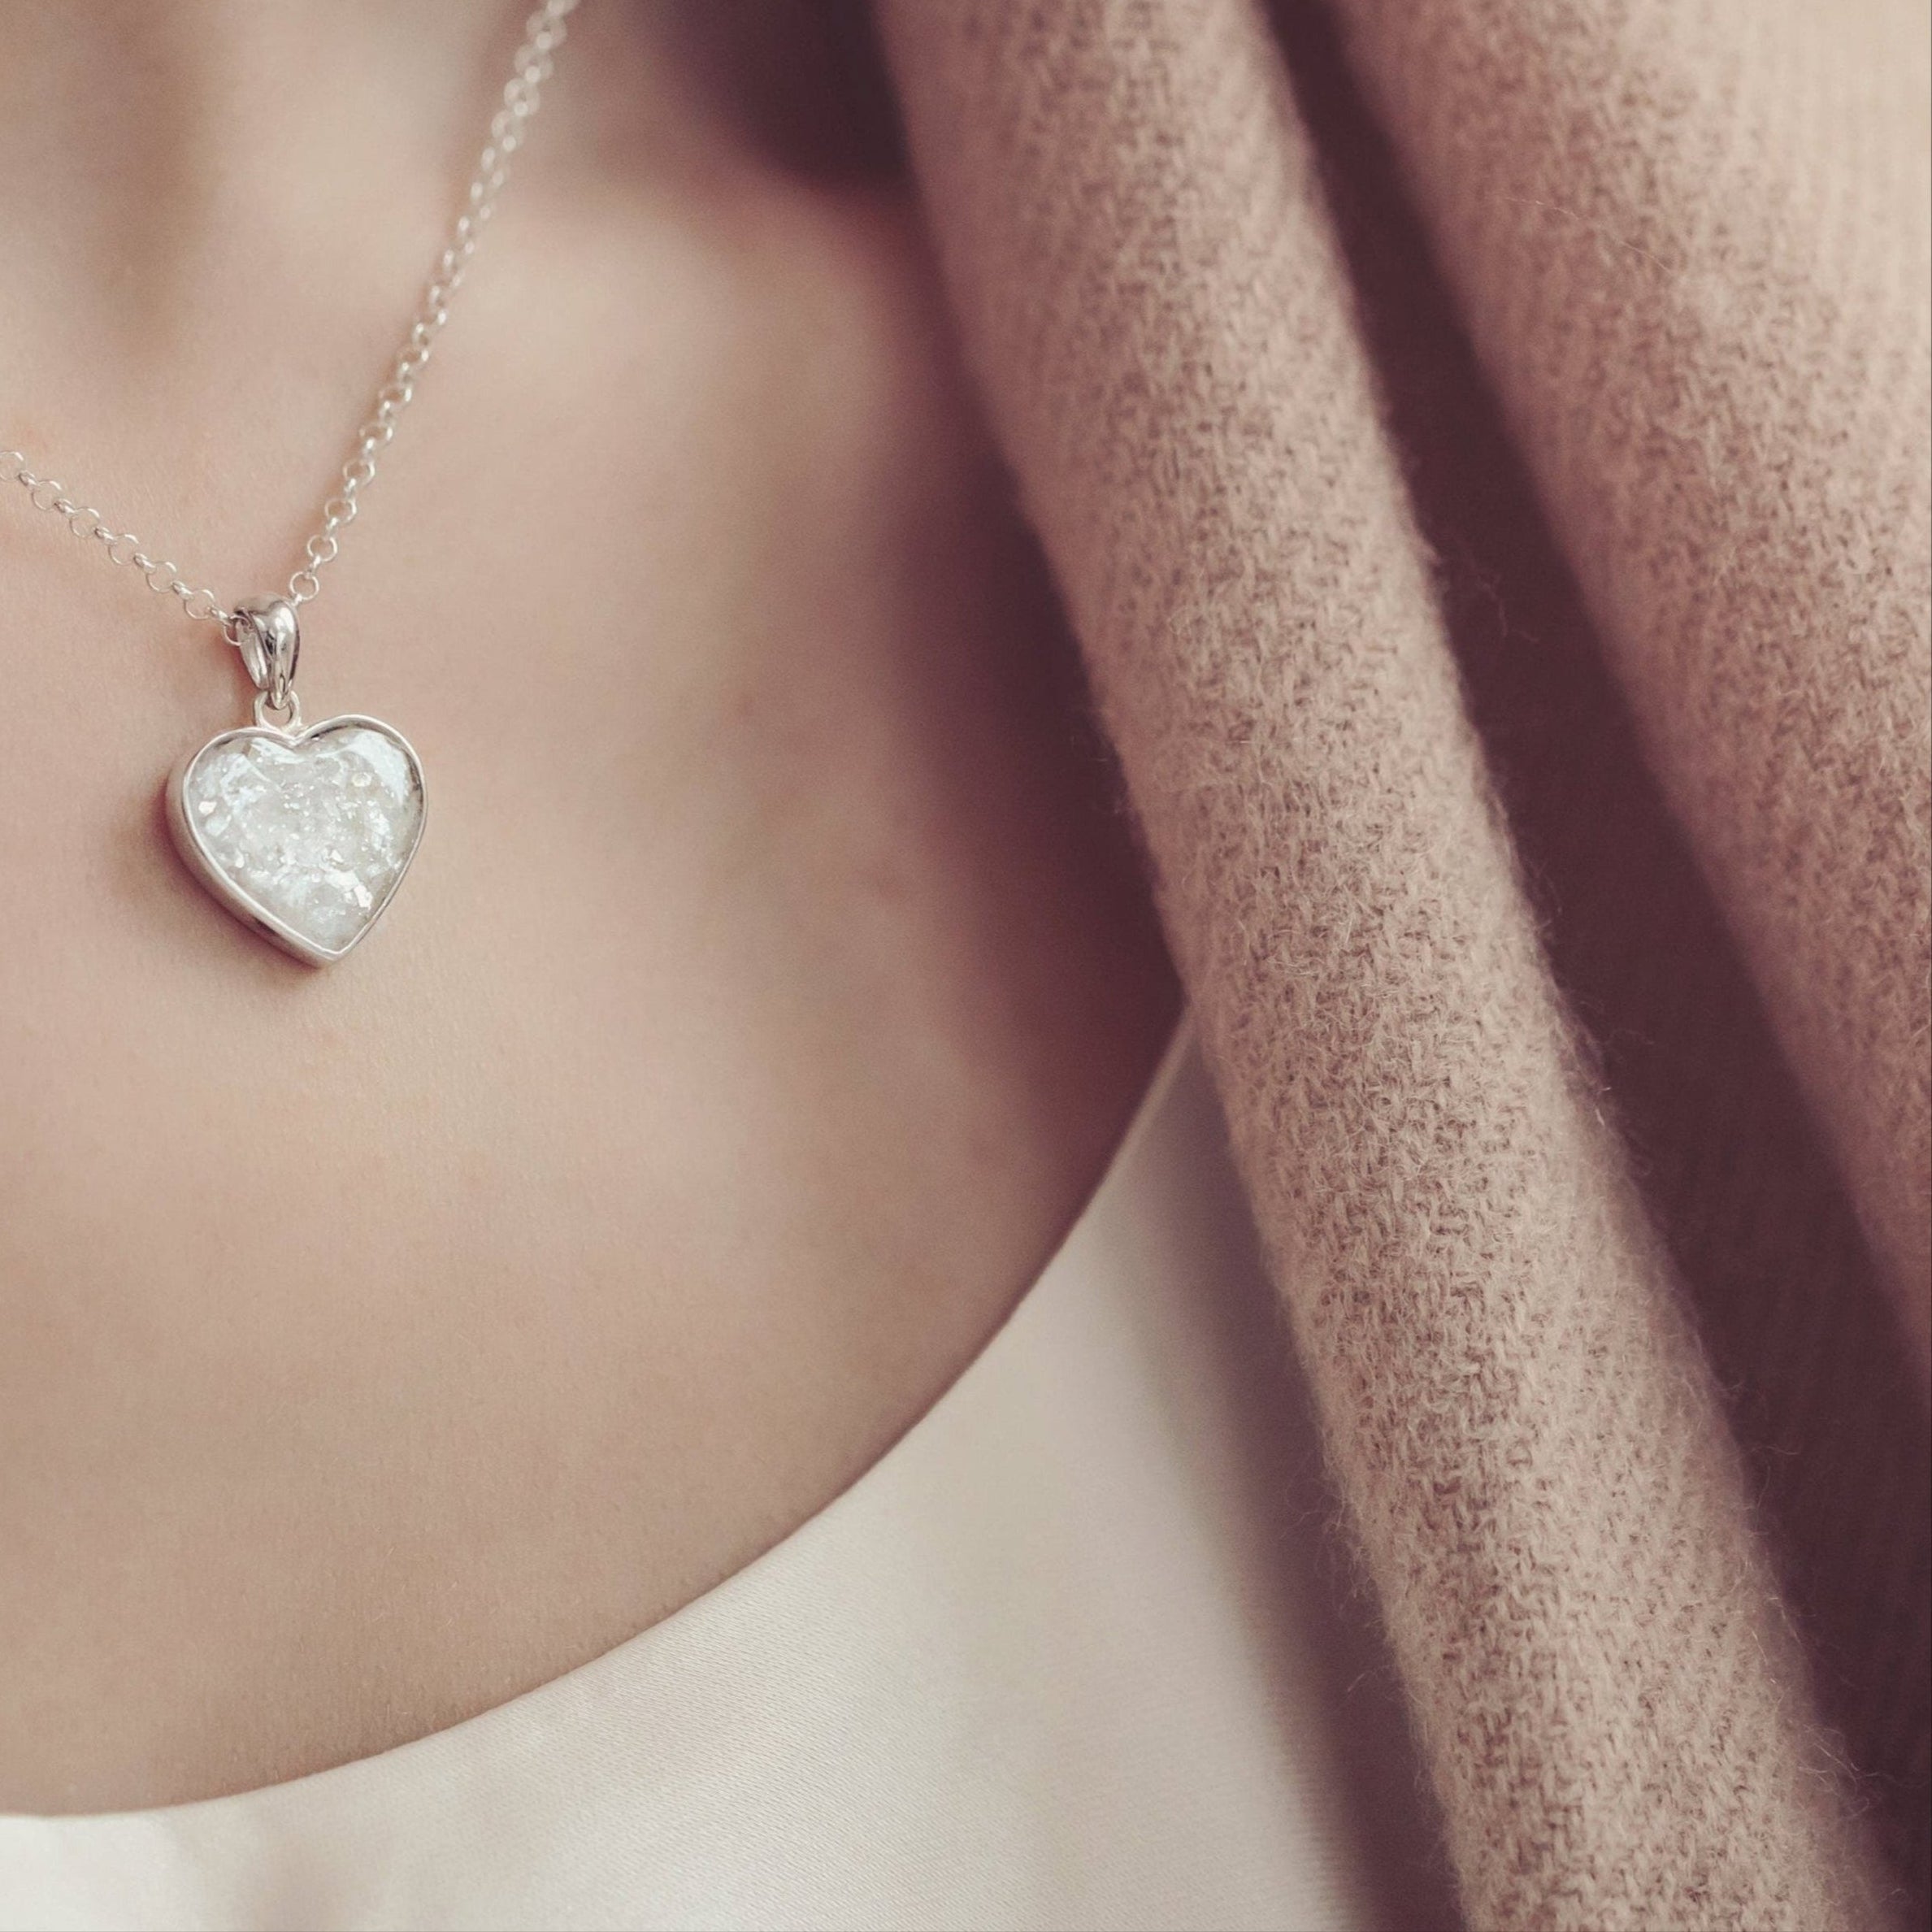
<point x="231" y="896"/>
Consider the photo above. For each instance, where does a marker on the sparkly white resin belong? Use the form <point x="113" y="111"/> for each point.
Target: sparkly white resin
<point x="314" y="831"/>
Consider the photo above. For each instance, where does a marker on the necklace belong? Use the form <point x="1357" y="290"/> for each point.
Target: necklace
<point x="304" y="832"/>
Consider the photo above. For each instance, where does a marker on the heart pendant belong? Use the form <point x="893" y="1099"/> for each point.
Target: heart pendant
<point x="304" y="835"/>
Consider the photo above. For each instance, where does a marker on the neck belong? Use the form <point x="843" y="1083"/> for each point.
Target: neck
<point x="149" y="149"/>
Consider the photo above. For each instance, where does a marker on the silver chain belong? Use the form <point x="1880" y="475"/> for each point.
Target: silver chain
<point x="530" y="67"/>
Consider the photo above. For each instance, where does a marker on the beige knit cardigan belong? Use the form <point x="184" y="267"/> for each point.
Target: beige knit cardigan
<point x="1483" y="448"/>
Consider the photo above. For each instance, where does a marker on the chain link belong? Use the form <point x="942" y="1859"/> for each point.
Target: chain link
<point x="530" y="68"/>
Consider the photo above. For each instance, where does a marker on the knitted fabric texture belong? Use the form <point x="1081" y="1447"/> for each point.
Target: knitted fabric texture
<point x="1690" y="242"/>
<point x="1549" y="1502"/>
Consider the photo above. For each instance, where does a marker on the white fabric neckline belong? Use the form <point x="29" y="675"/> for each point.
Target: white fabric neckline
<point x="1058" y="1659"/>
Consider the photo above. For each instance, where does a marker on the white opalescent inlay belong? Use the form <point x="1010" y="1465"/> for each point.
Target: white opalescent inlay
<point x="316" y="832"/>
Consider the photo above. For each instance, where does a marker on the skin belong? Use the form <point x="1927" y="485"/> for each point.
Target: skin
<point x="774" y="984"/>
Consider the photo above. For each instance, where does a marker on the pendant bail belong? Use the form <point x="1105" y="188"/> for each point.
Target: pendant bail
<point x="270" y="641"/>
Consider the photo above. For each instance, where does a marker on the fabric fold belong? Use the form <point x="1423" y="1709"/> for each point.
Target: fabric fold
<point x="1690" y="243"/>
<point x="1546" y="1497"/>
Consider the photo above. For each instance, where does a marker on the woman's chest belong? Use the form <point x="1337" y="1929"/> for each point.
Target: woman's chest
<point x="764" y="997"/>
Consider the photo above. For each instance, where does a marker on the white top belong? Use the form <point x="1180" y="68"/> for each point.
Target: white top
<point x="1062" y="1659"/>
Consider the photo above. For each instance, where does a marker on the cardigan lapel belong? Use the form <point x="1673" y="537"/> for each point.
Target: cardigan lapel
<point x="1536" y="1467"/>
